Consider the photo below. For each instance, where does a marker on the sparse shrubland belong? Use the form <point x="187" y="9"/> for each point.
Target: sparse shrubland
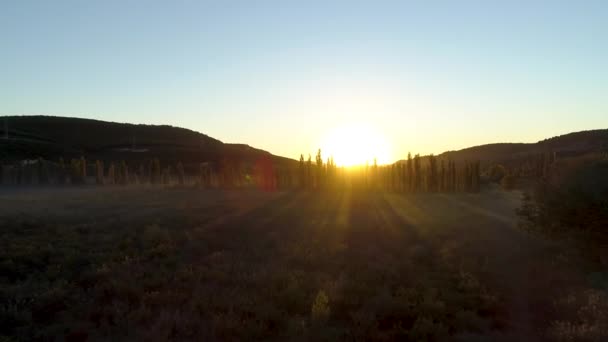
<point x="157" y="264"/>
<point x="569" y="203"/>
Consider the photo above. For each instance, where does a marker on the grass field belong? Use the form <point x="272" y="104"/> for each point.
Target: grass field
<point x="183" y="264"/>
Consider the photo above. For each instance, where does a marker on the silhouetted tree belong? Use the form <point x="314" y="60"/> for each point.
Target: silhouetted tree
<point x="417" y="173"/>
<point x="20" y="174"/>
<point x="99" y="174"/>
<point x="166" y="175"/>
<point x="309" y="183"/>
<point x="141" y="174"/>
<point x="374" y="176"/>
<point x="442" y="177"/>
<point x="111" y="179"/>
<point x="61" y="179"/>
<point x="508" y="182"/>
<point x="432" y="174"/>
<point x="180" y="174"/>
<point x="205" y="175"/>
<point x="83" y="165"/>
<point x="123" y="173"/>
<point x="43" y="172"/>
<point x="452" y="177"/>
<point x="76" y="171"/>
<point x="302" y="172"/>
<point x="319" y="170"/>
<point x="327" y="172"/>
<point x="155" y="174"/>
<point x="475" y="177"/>
<point x="410" y="172"/>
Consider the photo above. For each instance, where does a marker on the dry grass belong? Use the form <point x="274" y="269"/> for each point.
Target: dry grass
<point x="157" y="264"/>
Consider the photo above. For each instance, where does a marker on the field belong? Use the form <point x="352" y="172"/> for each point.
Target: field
<point x="155" y="263"/>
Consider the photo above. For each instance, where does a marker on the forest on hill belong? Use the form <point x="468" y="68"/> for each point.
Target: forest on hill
<point x="55" y="150"/>
<point x="52" y="138"/>
<point x="567" y="145"/>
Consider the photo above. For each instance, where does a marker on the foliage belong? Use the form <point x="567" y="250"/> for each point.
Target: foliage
<point x="572" y="197"/>
<point x="588" y="321"/>
<point x="320" y="310"/>
<point x="167" y="276"/>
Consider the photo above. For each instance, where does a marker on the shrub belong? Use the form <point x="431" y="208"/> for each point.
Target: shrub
<point x="508" y="182"/>
<point x="320" y="309"/>
<point x="180" y="173"/>
<point x="572" y="197"/>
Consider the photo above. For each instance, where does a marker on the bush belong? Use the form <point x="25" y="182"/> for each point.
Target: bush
<point x="320" y="308"/>
<point x="572" y="197"/>
<point x="508" y="182"/>
<point x="496" y="173"/>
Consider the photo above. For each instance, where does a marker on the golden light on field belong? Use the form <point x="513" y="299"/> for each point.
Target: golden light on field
<point x="356" y="144"/>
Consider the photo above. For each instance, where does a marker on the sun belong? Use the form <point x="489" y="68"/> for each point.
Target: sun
<point x="356" y="144"/>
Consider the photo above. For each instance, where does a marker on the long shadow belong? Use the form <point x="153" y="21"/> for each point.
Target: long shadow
<point x="378" y="234"/>
<point x="293" y="216"/>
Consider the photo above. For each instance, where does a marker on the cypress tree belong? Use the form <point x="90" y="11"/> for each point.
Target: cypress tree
<point x="83" y="165"/>
<point x="417" y="173"/>
<point x="454" y="177"/>
<point x="19" y="174"/>
<point x="432" y="173"/>
<point x="123" y="173"/>
<point x="61" y="172"/>
<point x="141" y="177"/>
<point x="43" y="172"/>
<point x="167" y="175"/>
<point x="204" y="175"/>
<point x="442" y="177"/>
<point x="180" y="174"/>
<point x="403" y="177"/>
<point x="397" y="177"/>
<point x="76" y="169"/>
<point x="111" y="174"/>
<point x="301" y="172"/>
<point x="309" y="172"/>
<point x="156" y="171"/>
<point x="475" y="177"/>
<point x="150" y="172"/>
<point x="99" y="172"/>
<point x="319" y="170"/>
<point x="410" y="172"/>
<point x="327" y="175"/>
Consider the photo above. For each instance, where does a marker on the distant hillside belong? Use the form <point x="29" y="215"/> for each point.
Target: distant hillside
<point x="572" y="144"/>
<point x="60" y="137"/>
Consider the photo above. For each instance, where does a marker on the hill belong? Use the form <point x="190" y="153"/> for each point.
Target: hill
<point x="570" y="145"/>
<point x="52" y="138"/>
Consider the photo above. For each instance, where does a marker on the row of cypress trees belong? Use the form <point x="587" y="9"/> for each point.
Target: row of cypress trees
<point x="407" y="176"/>
<point x="77" y="171"/>
<point x="416" y="174"/>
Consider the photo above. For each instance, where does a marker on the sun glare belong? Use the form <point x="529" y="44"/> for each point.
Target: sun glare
<point x="355" y="145"/>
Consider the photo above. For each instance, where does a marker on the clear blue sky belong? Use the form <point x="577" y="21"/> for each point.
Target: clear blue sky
<point x="428" y="75"/>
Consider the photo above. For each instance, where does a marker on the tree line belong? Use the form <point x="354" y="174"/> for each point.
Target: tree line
<point x="416" y="174"/>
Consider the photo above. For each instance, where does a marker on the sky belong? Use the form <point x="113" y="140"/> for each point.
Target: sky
<point x="427" y="76"/>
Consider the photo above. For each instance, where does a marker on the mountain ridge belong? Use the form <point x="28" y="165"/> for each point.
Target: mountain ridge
<point x="53" y="137"/>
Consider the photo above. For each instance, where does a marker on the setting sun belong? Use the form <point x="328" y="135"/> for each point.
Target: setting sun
<point x="356" y="144"/>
